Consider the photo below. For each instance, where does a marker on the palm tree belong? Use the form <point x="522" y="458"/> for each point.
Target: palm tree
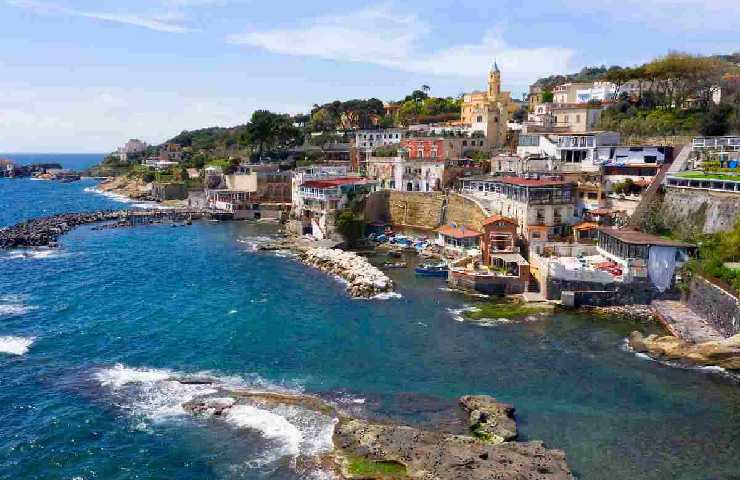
<point x="426" y="89"/>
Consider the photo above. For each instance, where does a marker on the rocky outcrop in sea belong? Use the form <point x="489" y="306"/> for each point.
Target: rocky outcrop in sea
<point x="45" y="231"/>
<point x="720" y="353"/>
<point x="364" y="280"/>
<point x="363" y="449"/>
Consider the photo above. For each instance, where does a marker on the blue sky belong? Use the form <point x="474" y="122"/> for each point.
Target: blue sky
<point x="84" y="76"/>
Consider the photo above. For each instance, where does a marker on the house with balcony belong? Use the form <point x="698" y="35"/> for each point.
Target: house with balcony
<point x="369" y="139"/>
<point x="543" y="207"/>
<point x="458" y="240"/>
<point x="499" y="268"/>
<point x="579" y="152"/>
<point x="318" y="201"/>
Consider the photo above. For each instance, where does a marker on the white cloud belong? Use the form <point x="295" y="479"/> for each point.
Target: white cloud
<point x="383" y="36"/>
<point x="169" y="21"/>
<point x="150" y="23"/>
<point x="97" y="119"/>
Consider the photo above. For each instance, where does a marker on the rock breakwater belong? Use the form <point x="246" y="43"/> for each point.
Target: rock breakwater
<point x="45" y="231"/>
<point x="364" y="280"/>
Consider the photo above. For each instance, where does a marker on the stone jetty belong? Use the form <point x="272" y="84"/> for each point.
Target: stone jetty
<point x="364" y="280"/>
<point x="45" y="231"/>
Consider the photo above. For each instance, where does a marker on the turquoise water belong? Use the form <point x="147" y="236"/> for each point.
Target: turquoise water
<point x="113" y="310"/>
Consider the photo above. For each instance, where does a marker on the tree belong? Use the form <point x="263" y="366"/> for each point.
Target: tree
<point x="618" y="76"/>
<point x="716" y="121"/>
<point x="271" y="130"/>
<point x="350" y="227"/>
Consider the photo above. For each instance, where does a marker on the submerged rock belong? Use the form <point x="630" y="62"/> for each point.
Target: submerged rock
<point x="721" y="353"/>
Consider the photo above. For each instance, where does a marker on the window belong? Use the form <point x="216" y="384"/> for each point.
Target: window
<point x="479" y="119"/>
<point x="578" y="118"/>
<point x="650" y="159"/>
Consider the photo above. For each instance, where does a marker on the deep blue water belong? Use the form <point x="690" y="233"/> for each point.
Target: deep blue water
<point x="72" y="161"/>
<point x="115" y="305"/>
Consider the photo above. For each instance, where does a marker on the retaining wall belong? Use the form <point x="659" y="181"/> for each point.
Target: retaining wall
<point x="717" y="306"/>
<point x="688" y="211"/>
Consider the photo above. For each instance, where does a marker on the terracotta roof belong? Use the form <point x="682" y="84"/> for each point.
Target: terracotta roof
<point x="533" y="182"/>
<point x="335" y="182"/>
<point x="458" y="232"/>
<point x="601" y="211"/>
<point x="497" y="218"/>
<point x="585" y="226"/>
<point x="639" y="238"/>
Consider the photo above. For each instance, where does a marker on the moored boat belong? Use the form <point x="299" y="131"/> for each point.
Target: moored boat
<point x="432" y="270"/>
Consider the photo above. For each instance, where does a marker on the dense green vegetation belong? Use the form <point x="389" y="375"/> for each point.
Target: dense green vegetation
<point x="350" y="226"/>
<point x="587" y="74"/>
<point x="715" y="251"/>
<point x="675" y="95"/>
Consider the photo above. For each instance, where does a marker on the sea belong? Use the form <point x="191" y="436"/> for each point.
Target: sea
<point x="91" y="332"/>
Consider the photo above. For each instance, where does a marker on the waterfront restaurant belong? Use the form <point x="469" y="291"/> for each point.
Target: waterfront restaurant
<point x="643" y="255"/>
<point x="457" y="240"/>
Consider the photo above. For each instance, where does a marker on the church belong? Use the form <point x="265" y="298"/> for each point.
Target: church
<point x="487" y="111"/>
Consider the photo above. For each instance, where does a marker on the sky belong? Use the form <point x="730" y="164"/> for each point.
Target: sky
<point x="84" y="76"/>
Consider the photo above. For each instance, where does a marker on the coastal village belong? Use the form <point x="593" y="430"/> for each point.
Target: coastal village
<point x="529" y="200"/>
<point x="534" y="204"/>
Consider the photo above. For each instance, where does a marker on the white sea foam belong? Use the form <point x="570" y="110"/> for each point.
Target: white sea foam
<point x="232" y="312"/>
<point x="32" y="254"/>
<point x="117" y="197"/>
<point x="270" y="425"/>
<point x="15" y="345"/>
<point x="14" y="305"/>
<point x="254" y="242"/>
<point x="457" y="313"/>
<point x="386" y="296"/>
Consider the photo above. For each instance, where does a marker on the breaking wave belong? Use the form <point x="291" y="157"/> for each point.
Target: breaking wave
<point x="150" y="396"/>
<point x="14" y="305"/>
<point x="116" y="197"/>
<point x="15" y="345"/>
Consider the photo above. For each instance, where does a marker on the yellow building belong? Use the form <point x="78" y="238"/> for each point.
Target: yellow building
<point x="488" y="111"/>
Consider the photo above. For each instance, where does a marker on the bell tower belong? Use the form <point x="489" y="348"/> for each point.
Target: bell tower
<point x="494" y="82"/>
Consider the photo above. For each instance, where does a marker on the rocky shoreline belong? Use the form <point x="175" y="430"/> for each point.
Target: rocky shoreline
<point x="363" y="449"/>
<point x="134" y="189"/>
<point x="45" y="231"/>
<point x="364" y="280"/>
<point x="720" y="353"/>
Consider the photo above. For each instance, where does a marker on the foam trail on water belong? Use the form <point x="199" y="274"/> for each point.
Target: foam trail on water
<point x="117" y="197"/>
<point x="15" y="345"/>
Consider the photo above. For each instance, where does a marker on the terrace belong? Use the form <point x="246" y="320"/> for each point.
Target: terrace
<point x="705" y="180"/>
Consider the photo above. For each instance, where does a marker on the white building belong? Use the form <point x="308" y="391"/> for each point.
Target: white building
<point x="404" y="174"/>
<point x="368" y="139"/>
<point x="580" y="152"/>
<point x="132" y="147"/>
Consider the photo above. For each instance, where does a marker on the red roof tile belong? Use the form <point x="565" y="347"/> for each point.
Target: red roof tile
<point x="458" y="232"/>
<point x="533" y="182"/>
<point x="334" y="182"/>
<point x="496" y="218"/>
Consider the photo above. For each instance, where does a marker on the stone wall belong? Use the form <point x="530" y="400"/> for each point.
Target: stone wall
<point x="600" y="294"/>
<point x="688" y="211"/>
<point x="415" y="209"/>
<point x="463" y="211"/>
<point x="718" y="307"/>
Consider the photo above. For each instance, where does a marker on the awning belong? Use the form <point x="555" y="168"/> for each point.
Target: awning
<point x="510" y="258"/>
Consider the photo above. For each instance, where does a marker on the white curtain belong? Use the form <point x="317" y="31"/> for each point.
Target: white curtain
<point x="661" y="265"/>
